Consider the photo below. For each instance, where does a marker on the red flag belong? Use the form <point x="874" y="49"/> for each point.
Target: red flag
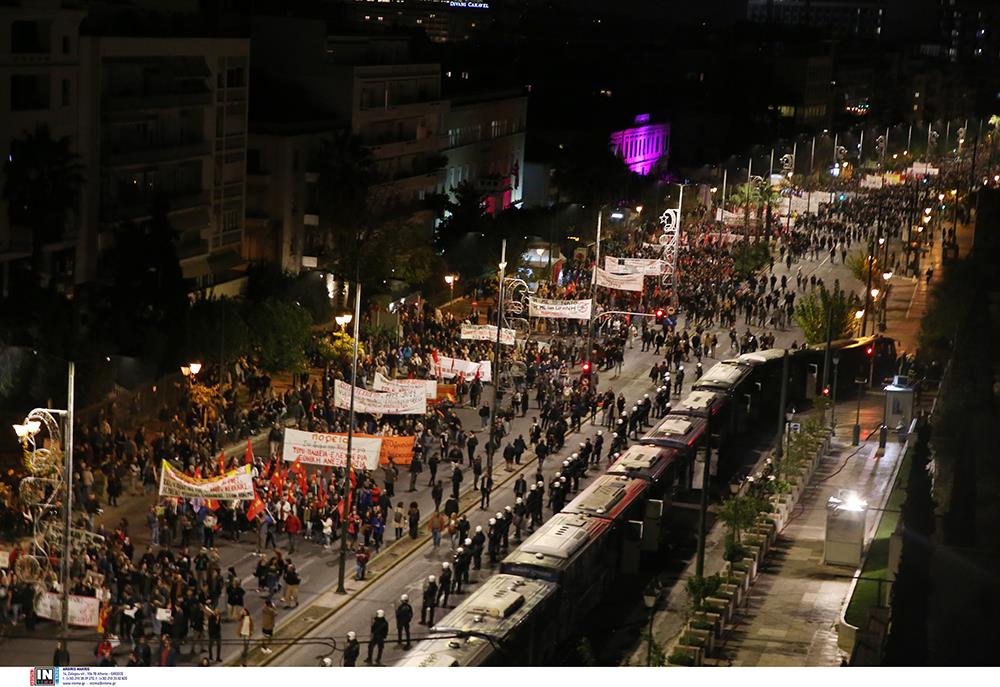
<point x="197" y="472"/>
<point x="249" y="456"/>
<point x="222" y="462"/>
<point x="256" y="508"/>
<point x="212" y="504"/>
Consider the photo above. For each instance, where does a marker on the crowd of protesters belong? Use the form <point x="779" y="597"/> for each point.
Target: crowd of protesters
<point x="174" y="595"/>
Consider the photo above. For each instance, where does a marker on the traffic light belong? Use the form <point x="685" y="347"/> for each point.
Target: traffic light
<point x="826" y="391"/>
<point x="659" y="315"/>
<point x="870" y="351"/>
<point x="586" y="367"/>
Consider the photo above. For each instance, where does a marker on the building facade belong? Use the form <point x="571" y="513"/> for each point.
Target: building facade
<point x="485" y="147"/>
<point x="166" y="125"/>
<point x="642" y="146"/>
<point x="39" y="85"/>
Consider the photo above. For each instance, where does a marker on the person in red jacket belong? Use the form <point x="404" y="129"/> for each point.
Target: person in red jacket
<point x="293" y="525"/>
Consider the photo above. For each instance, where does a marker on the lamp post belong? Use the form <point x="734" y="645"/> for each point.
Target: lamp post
<point x="502" y="267"/>
<point x="26" y="432"/>
<point x="344" y="320"/>
<point x="190" y="371"/>
<point x="593" y="287"/>
<point x="833" y="399"/>
<point x="649" y="598"/>
<point x="450" y="280"/>
<point x="346" y="487"/>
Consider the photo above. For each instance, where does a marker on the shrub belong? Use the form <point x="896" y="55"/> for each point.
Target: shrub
<point x="681" y="658"/>
<point x="734" y="550"/>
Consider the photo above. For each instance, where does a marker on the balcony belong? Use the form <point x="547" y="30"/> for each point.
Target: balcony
<point x="156" y="101"/>
<point x="385" y="146"/>
<point x="166" y="153"/>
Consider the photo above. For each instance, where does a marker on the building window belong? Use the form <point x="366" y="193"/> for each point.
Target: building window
<point x="29" y="92"/>
<point x="28" y="37"/>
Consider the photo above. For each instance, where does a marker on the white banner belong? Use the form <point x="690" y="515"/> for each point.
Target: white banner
<point x="409" y="402"/>
<point x="235" y="484"/>
<point x="319" y="448"/>
<point x="84" y="611"/>
<point x="650" y="266"/>
<point x="570" y="310"/>
<point x="452" y="367"/>
<point x="487" y="332"/>
<point x="383" y="383"/>
<point x="621" y="282"/>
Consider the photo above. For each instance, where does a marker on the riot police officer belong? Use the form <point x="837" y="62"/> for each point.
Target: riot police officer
<point x="493" y="540"/>
<point x="404" y="615"/>
<point x="352" y="650"/>
<point x="505" y="523"/>
<point x="595" y="456"/>
<point x="379" y="632"/>
<point x="429" y="601"/>
<point x="478" y="540"/>
<point x="444" y="585"/>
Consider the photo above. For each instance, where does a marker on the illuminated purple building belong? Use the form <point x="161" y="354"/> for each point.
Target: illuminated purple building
<point x="643" y="145"/>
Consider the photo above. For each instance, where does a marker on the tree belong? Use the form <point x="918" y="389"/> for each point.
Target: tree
<point x="216" y="331"/>
<point x="588" y="173"/>
<point x="42" y="188"/>
<point x="281" y="335"/>
<point x="748" y="258"/>
<point x="148" y="296"/>
<point x="466" y="214"/>
<point x="739" y="513"/>
<point x="859" y="264"/>
<point x="815" y="310"/>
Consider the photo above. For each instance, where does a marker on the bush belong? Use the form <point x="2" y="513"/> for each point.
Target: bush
<point x="702" y="625"/>
<point x="734" y="550"/>
<point x="681" y="658"/>
<point x="692" y="640"/>
<point x="748" y="258"/>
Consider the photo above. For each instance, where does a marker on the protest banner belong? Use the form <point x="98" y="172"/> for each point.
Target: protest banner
<point x="487" y="332"/>
<point x="411" y="401"/>
<point x="330" y="450"/>
<point x="84" y="611"/>
<point x="570" y="310"/>
<point x="647" y="266"/>
<point x="235" y="484"/>
<point x="621" y="282"/>
<point x="383" y="383"/>
<point x="447" y="368"/>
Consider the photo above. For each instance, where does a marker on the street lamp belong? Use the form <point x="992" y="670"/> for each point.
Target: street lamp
<point x="649" y="598"/>
<point x="191" y="369"/>
<point x="450" y="280"/>
<point x="41" y="463"/>
<point x="833" y="396"/>
<point x="875" y="293"/>
<point x="343" y="320"/>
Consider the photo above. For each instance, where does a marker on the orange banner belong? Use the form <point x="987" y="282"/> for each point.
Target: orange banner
<point x="399" y="448"/>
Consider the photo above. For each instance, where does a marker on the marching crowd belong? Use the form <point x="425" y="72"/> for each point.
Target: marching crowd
<point x="174" y="593"/>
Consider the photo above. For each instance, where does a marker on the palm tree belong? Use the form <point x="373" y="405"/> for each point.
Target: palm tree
<point x="346" y="174"/>
<point x="768" y="198"/>
<point x="745" y="196"/>
<point x="42" y="188"/>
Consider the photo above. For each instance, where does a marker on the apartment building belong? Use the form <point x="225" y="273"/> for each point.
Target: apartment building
<point x="392" y="105"/>
<point x="39" y="85"/>
<point x="165" y="122"/>
<point x="485" y="146"/>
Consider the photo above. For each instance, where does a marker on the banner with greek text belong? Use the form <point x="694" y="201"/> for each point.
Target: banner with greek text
<point x="235" y="484"/>
<point x="452" y="367"/>
<point x="383" y="383"/>
<point x="650" y="266"/>
<point x="84" y="611"/>
<point x="570" y="310"/>
<point x="412" y="401"/>
<point x="487" y="332"/>
<point x="330" y="450"/>
<point x="621" y="282"/>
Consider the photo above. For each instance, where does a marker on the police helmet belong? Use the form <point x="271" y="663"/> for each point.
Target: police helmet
<point x="493" y="521"/>
<point x="431" y="578"/>
<point x="380" y="613"/>
<point x="352" y="634"/>
<point x="445" y="565"/>
<point x="508" y="508"/>
<point x="541" y="484"/>
<point x="519" y="500"/>
<point x="479" y="528"/>
<point x="404" y="597"/>
<point x="600" y="433"/>
<point x="532" y="488"/>
<point x="498" y="515"/>
<point x="467" y="542"/>
<point x="562" y="479"/>
<point x="646" y="396"/>
<point x="460" y="549"/>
